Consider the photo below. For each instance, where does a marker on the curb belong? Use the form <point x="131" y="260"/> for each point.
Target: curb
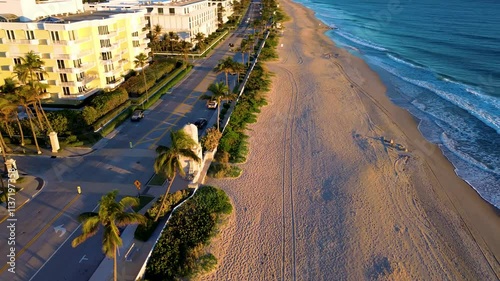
<point x="41" y="185"/>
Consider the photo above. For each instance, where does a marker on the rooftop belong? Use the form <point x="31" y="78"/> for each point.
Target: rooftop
<point x="94" y="15"/>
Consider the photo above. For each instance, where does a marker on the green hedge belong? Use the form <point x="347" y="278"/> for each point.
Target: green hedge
<point x="110" y="115"/>
<point x="155" y="72"/>
<point x="177" y="255"/>
<point x="143" y="232"/>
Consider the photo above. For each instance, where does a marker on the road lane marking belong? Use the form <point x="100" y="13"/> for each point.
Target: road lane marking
<point x="18" y="254"/>
<point x="161" y="123"/>
<point x="58" y="248"/>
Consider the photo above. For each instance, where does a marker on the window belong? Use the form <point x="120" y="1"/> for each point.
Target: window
<point x="160" y="11"/>
<point x="106" y="55"/>
<point x="17" y="61"/>
<point x="110" y="80"/>
<point x="108" y="67"/>
<point x="171" y="11"/>
<point x="66" y="91"/>
<point x="71" y="35"/>
<point x="64" y="77"/>
<point x="105" y="43"/>
<point x="135" y="43"/>
<point x="11" y="35"/>
<point x="82" y="89"/>
<point x="135" y="34"/>
<point x="77" y="63"/>
<point x="60" y="64"/>
<point x="54" y="35"/>
<point x="103" y="30"/>
<point x="80" y="76"/>
<point x="30" y="34"/>
<point x="39" y="76"/>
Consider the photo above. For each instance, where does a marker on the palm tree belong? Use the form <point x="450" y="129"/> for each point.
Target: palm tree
<point x="244" y="47"/>
<point x="173" y="38"/>
<point x="199" y="37"/>
<point x="12" y="102"/>
<point x="251" y="47"/>
<point x="25" y="99"/>
<point x="31" y="64"/>
<point x="155" y="37"/>
<point x="185" y="48"/>
<point x="226" y="66"/>
<point x="111" y="216"/>
<point x="168" y="162"/>
<point x="219" y="92"/>
<point x="239" y="68"/>
<point x="141" y="60"/>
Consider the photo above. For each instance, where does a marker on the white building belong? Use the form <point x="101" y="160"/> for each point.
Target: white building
<point x="186" y="18"/>
<point x="34" y="9"/>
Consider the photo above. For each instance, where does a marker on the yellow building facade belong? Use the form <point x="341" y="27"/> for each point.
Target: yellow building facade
<point x="83" y="52"/>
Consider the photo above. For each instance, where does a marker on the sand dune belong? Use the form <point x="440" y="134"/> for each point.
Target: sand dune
<point x="326" y="196"/>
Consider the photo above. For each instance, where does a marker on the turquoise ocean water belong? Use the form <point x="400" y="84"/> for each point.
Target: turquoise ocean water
<point x="440" y="60"/>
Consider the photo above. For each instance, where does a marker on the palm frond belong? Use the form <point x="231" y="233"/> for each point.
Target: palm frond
<point x="85" y="216"/>
<point x="124" y="219"/>
<point x="129" y="202"/>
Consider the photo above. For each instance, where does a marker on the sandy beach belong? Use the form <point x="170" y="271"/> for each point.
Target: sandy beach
<point x="325" y="195"/>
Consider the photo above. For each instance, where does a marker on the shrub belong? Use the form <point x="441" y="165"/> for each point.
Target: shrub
<point x="210" y="140"/>
<point x="177" y="253"/>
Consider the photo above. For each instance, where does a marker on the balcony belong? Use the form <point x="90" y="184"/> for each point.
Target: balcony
<point x="79" y="55"/>
<point x="71" y="42"/>
<point x="146" y="40"/>
<point x="79" y="83"/>
<point x="113" y="72"/>
<point x="110" y="35"/>
<point x="83" y="67"/>
<point x="110" y="48"/>
<point x="115" y="84"/>
<point x="20" y="41"/>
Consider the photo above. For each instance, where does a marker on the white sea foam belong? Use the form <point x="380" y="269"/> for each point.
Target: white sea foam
<point x="403" y="61"/>
<point x="360" y="41"/>
<point x="469" y="105"/>
<point x="451" y="146"/>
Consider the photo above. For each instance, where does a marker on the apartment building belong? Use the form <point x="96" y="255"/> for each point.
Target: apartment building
<point x="186" y="18"/>
<point x="83" y="51"/>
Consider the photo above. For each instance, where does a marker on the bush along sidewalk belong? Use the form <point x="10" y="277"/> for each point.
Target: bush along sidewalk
<point x="234" y="140"/>
<point x="144" y="231"/>
<point x="180" y="252"/>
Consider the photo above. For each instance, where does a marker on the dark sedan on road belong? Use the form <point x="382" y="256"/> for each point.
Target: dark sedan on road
<point x="137" y="115"/>
<point x="200" y="123"/>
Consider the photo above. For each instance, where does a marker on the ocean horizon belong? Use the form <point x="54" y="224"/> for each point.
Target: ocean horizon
<point x="439" y="61"/>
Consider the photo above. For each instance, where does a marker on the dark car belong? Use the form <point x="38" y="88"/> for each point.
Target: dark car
<point x="231" y="45"/>
<point x="137" y="115"/>
<point x="200" y="123"/>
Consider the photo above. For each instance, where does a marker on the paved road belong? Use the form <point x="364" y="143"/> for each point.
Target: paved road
<point x="46" y="225"/>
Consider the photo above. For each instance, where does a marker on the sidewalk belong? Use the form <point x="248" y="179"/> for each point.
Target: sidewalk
<point x="133" y="254"/>
<point x="30" y="186"/>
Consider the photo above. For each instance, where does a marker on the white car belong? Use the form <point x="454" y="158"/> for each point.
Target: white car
<point x="212" y="104"/>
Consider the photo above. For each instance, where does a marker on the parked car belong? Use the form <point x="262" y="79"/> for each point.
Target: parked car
<point x="231" y="45"/>
<point x="212" y="104"/>
<point x="137" y="115"/>
<point x="200" y="123"/>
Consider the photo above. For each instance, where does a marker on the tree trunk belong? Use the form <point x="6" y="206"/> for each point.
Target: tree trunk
<point x="8" y="129"/>
<point x="33" y="130"/>
<point x="115" y="270"/>
<point x="38" y="116"/>
<point x="218" y="113"/>
<point x="45" y="116"/>
<point x="145" y="85"/>
<point x="242" y="57"/>
<point x="20" y="130"/>
<point x="164" y="200"/>
<point x="227" y="78"/>
<point x="5" y="148"/>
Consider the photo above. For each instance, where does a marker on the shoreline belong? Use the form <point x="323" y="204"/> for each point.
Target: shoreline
<point x="480" y="214"/>
<point x="323" y="195"/>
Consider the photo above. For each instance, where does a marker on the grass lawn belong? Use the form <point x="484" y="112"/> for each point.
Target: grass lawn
<point x="143" y="201"/>
<point x="157" y="180"/>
